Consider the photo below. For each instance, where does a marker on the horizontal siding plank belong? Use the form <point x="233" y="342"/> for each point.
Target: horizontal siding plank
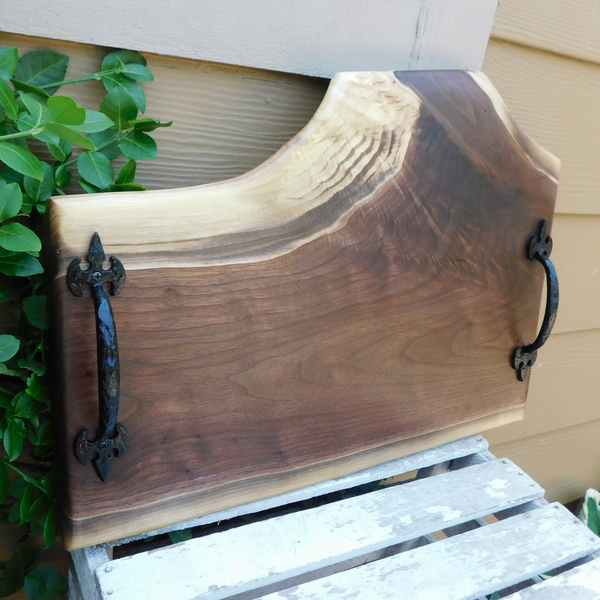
<point x="563" y="389"/>
<point x="464" y="567"/>
<point x="226" y="119"/>
<point x="554" y="100"/>
<point x="569" y="28"/>
<point x="263" y="553"/>
<point x="565" y="462"/>
<point x="576" y="256"/>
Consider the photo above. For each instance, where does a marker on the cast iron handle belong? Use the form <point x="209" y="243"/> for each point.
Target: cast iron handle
<point x="539" y="249"/>
<point x="111" y="438"/>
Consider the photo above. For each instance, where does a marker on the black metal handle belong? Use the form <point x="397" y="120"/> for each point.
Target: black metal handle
<point x="539" y="249"/>
<point x="111" y="437"/>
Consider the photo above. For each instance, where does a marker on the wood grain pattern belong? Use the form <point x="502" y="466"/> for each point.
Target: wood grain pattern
<point x="571" y="29"/>
<point x="554" y="100"/>
<point x="356" y="297"/>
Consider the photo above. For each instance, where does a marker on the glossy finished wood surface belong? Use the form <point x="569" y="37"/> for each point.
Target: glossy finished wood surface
<point x="356" y="297"/>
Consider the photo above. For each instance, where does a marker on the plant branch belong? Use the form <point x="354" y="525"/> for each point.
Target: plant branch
<point x="93" y="77"/>
<point x="24" y="476"/>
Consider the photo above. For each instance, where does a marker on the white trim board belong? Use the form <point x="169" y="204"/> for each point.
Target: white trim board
<point x="309" y="37"/>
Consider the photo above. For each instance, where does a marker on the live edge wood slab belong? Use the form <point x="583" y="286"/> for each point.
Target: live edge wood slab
<point x="355" y="298"/>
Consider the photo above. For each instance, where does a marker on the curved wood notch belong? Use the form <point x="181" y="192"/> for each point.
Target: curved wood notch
<point x="356" y="297"/>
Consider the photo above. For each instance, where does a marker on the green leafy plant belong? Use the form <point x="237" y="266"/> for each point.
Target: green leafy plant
<point x="589" y="513"/>
<point x="49" y="143"/>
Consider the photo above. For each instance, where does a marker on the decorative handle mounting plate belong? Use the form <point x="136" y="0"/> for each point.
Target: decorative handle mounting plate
<point x="540" y="247"/>
<point x="111" y="437"/>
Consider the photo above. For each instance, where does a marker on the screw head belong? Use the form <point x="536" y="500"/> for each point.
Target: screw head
<point x="96" y="276"/>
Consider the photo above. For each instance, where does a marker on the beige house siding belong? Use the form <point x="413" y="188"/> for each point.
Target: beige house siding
<point x="544" y="58"/>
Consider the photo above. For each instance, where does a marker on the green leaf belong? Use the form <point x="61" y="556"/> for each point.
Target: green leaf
<point x="119" y="107"/>
<point x="4" y="483"/>
<point x="35" y="105"/>
<point x="10" y="175"/>
<point x="65" y="110"/>
<point x="70" y="134"/>
<point x="8" y="291"/>
<point x="18" y="238"/>
<point x="20" y="265"/>
<point x="39" y="388"/>
<point x="45" y="583"/>
<point x="32" y="365"/>
<point x="51" y="526"/>
<point x="180" y="536"/>
<point x="25" y="504"/>
<point x="8" y="100"/>
<point x="13" y="438"/>
<point x="111" y="61"/>
<point x="39" y="509"/>
<point x="94" y="122"/>
<point x="29" y="89"/>
<point x="42" y="67"/>
<point x="88" y="187"/>
<point x="127" y="172"/>
<point x="9" y="346"/>
<point x="148" y="124"/>
<point x="10" y="201"/>
<point x="56" y="152"/>
<point x="138" y="146"/>
<point x="134" y="90"/>
<point x="21" y="160"/>
<point x="13" y="514"/>
<point x="14" y="572"/>
<point x="137" y="72"/>
<point x="26" y="406"/>
<point x="63" y="176"/>
<point x="111" y="151"/>
<point x="40" y="191"/>
<point x="96" y="169"/>
<point x="35" y="311"/>
<point x="590" y="511"/>
<point x="9" y="57"/>
<point x="126" y="187"/>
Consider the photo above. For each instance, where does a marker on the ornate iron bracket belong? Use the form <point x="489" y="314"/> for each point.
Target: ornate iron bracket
<point x="540" y="247"/>
<point x="111" y="438"/>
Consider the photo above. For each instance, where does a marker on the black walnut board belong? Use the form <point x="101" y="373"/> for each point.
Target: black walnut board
<point x="355" y="298"/>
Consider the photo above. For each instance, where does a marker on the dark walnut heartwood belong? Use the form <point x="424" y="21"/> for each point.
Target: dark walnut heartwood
<point x="355" y="298"/>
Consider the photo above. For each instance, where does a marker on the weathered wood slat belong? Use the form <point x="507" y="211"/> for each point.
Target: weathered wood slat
<point x="263" y="553"/>
<point x="471" y="447"/>
<point x="464" y="567"/>
<point x="580" y="583"/>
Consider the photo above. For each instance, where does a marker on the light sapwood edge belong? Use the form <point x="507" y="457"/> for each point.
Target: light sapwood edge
<point x="185" y="227"/>
<point x="304" y="174"/>
<point x="79" y="533"/>
<point x="537" y="155"/>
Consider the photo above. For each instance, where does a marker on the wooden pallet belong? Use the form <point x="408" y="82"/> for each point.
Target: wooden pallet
<point x="464" y="526"/>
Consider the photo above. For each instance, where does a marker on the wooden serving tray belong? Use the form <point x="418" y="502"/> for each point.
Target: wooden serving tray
<point x="355" y="298"/>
